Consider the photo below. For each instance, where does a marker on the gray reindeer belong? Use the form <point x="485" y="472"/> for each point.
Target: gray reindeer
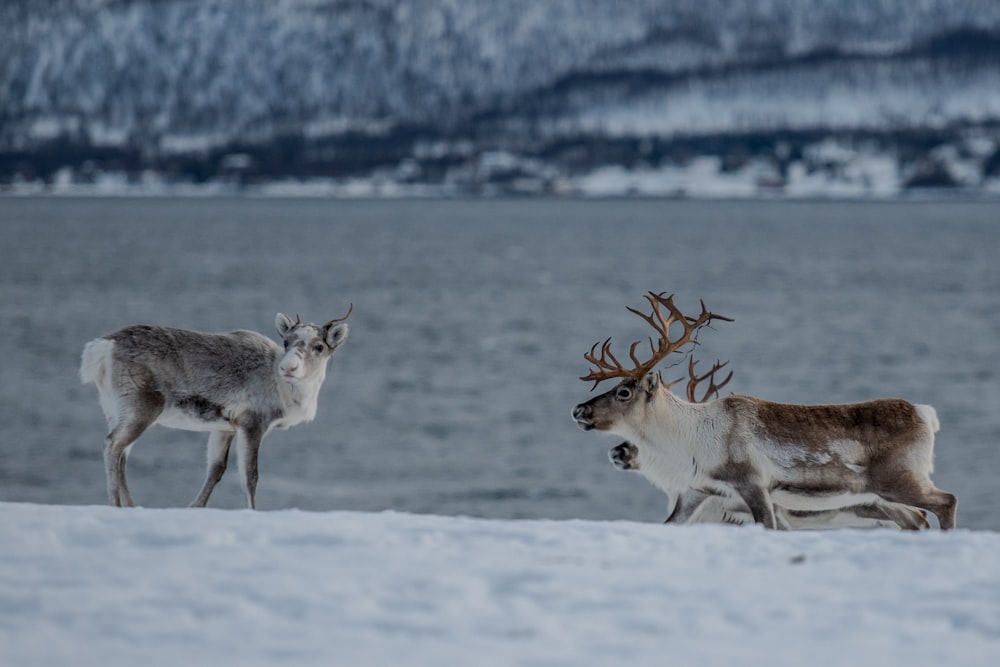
<point x="233" y="385"/>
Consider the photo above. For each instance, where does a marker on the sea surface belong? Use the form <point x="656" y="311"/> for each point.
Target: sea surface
<point x="471" y="317"/>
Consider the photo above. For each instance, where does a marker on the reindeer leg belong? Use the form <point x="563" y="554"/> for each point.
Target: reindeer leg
<point x="759" y="501"/>
<point x="126" y="495"/>
<point x="247" y="444"/>
<point x="128" y="429"/>
<point x="687" y="504"/>
<point x="218" y="457"/>
<point x="922" y="494"/>
<point x="942" y="504"/>
<point x="740" y="479"/>
<point x="112" y="469"/>
<point x="904" y="516"/>
<point x="781" y="518"/>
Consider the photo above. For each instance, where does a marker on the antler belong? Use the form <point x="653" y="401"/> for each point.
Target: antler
<point x="713" y="388"/>
<point x="340" y="319"/>
<point x="607" y="366"/>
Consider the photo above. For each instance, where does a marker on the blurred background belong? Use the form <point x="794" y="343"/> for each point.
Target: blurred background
<point x="491" y="184"/>
<point x="679" y="97"/>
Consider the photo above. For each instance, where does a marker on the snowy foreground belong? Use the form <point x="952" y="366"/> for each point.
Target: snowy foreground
<point x="99" y="586"/>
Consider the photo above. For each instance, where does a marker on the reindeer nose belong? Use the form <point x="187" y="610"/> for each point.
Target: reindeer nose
<point x="581" y="413"/>
<point x="289" y="369"/>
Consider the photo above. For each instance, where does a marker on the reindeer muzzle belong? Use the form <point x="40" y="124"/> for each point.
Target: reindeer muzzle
<point x="583" y="416"/>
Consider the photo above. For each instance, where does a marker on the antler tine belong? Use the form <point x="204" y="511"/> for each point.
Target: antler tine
<point x="713" y="388"/>
<point x="631" y="352"/>
<point x="606" y="353"/>
<point x="690" y="325"/>
<point x="341" y="319"/>
<point x="662" y="326"/>
<point x="708" y="315"/>
<point x="298" y="320"/>
<point x="670" y="385"/>
<point x="608" y="365"/>
<point x="605" y="347"/>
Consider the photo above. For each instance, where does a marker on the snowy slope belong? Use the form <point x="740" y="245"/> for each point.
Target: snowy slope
<point x="188" y="74"/>
<point x="98" y="586"/>
<point x="430" y="91"/>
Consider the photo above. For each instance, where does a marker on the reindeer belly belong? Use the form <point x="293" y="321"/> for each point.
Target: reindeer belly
<point x="194" y="413"/>
<point x="813" y="478"/>
<point x="814" y="500"/>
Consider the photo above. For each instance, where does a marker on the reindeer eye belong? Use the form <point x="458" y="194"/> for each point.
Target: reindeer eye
<point x="623" y="394"/>
<point x="318" y="349"/>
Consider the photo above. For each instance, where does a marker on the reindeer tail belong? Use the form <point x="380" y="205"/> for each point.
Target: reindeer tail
<point x="929" y="415"/>
<point x="96" y="361"/>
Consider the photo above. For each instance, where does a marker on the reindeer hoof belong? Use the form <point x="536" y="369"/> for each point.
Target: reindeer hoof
<point x="624" y="456"/>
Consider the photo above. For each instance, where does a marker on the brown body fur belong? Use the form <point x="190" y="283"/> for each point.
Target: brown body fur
<point x="808" y="456"/>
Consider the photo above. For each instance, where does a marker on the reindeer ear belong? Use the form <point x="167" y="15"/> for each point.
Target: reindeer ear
<point x="336" y="334"/>
<point x="651" y="381"/>
<point x="284" y="324"/>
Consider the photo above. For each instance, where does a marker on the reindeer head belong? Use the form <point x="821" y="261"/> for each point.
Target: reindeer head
<point x="625" y="408"/>
<point x="308" y="346"/>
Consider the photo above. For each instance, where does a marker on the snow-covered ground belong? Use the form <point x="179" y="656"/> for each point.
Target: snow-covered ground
<point x="100" y="586"/>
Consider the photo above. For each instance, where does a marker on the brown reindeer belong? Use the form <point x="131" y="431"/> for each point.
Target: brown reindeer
<point x="803" y="458"/>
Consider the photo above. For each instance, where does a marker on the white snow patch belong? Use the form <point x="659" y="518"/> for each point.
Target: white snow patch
<point x="702" y="177"/>
<point x="48" y="127"/>
<point x="100" y="586"/>
<point x="191" y="143"/>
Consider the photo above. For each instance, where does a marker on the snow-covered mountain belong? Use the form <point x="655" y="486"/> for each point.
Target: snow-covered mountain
<point x="435" y="90"/>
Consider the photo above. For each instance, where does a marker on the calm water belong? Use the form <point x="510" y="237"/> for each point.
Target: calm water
<point x="453" y="393"/>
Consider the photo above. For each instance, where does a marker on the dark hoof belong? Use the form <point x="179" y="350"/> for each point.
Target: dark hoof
<point x="625" y="456"/>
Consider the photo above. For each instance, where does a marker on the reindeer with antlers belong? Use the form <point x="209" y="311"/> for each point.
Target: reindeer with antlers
<point x="758" y="453"/>
<point x="693" y="506"/>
